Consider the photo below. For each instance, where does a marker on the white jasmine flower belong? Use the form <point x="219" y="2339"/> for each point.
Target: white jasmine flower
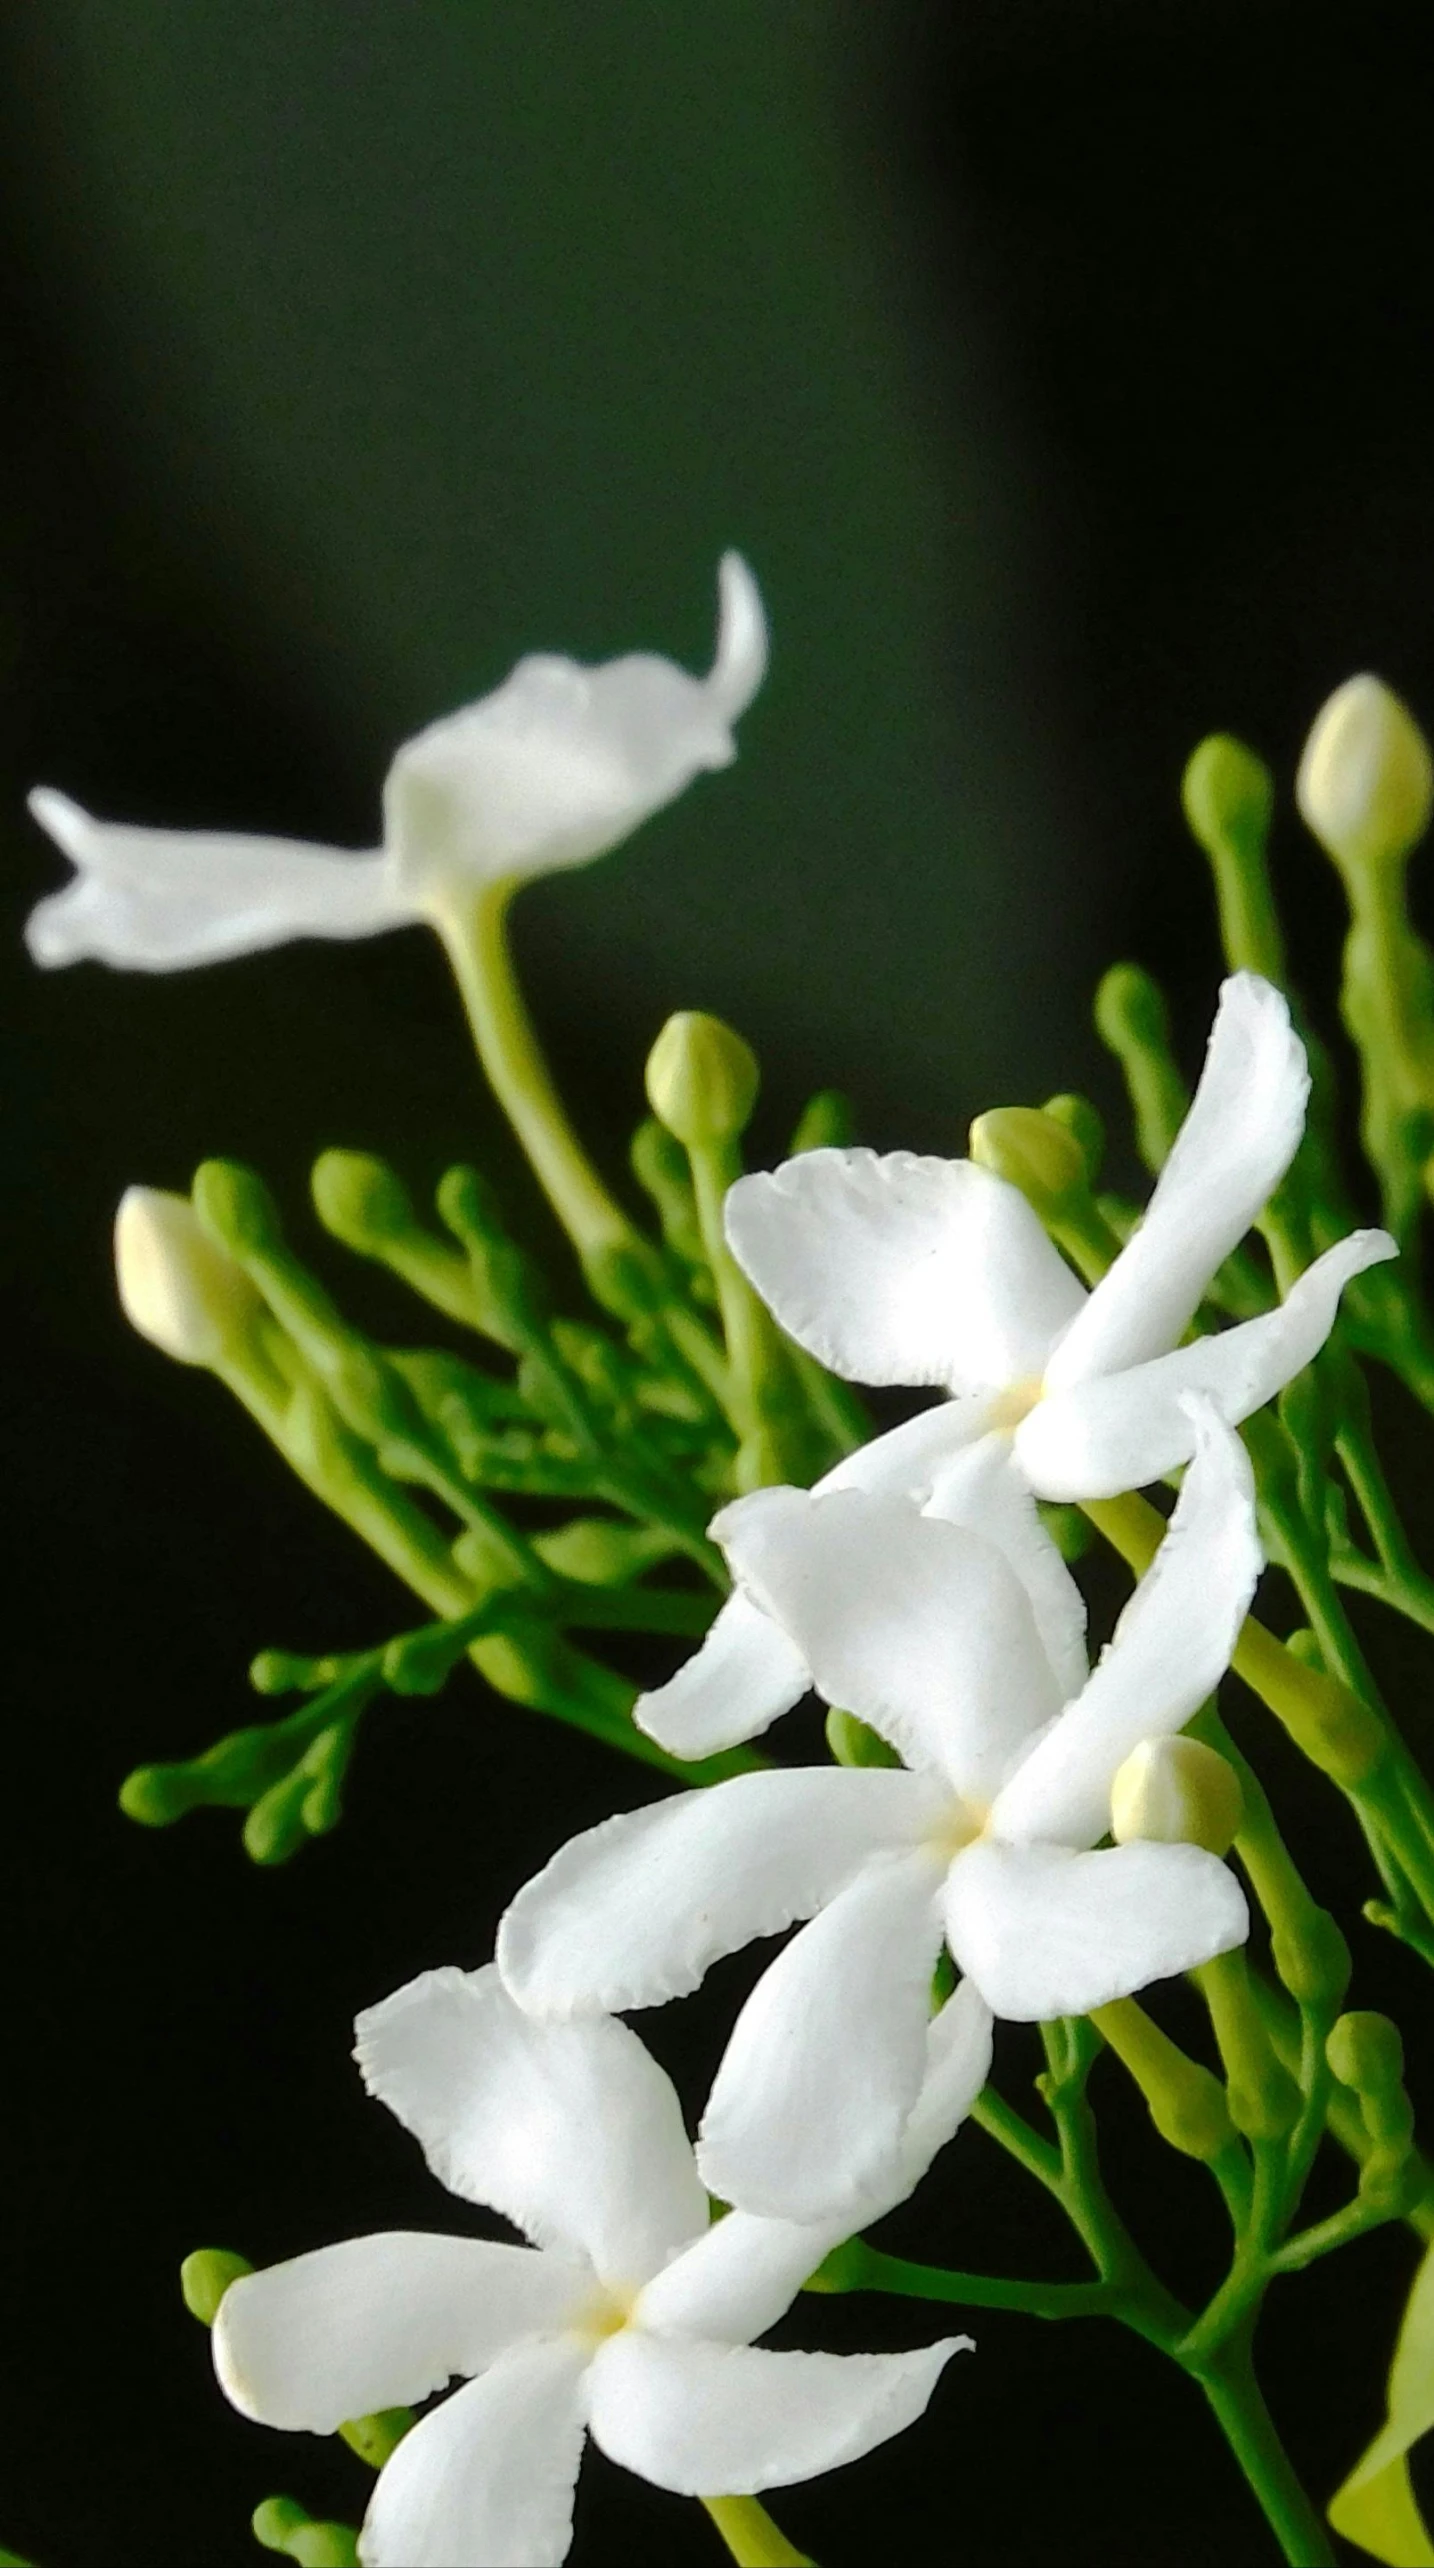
<point x="557" y="766"/>
<point x="922" y="1629"/>
<point x="934" y="1271"/>
<point x="629" y="2317"/>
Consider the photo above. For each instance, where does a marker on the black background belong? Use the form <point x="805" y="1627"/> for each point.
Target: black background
<point x="1153" y="305"/>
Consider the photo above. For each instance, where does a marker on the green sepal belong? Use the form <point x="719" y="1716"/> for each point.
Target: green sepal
<point x="205" y="2277"/>
<point x="374" y="2437"/>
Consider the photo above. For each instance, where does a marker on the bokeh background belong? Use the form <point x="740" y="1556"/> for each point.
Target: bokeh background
<point x="1063" y="366"/>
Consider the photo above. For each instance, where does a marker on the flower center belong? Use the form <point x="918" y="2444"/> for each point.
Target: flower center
<point x="959" y="1825"/>
<point x="606" y="2314"/>
<point x="1015" y="1402"/>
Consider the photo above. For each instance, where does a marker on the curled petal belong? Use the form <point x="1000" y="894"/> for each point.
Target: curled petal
<point x="809" y="2109"/>
<point x="907" y="1461"/>
<point x="1241" y="1133"/>
<point x="920" y="1627"/>
<point x="958" y="2063"/>
<point x="636" y="1910"/>
<point x="383" y="2322"/>
<point x="900" y="1269"/>
<point x="572" y="2131"/>
<point x="487" y="2480"/>
<point x="1045" y="1932"/>
<point x="984" y="1489"/>
<point x="159" y="900"/>
<point x="1170" y="1649"/>
<point x="562" y="761"/>
<point x="746" y="1674"/>
<point x="698" y="2418"/>
<point x="1125" y="1429"/>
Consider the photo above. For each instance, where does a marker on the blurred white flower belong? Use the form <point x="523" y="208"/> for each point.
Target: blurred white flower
<point x="556" y="766"/>
<point x="630" y="2317"/>
<point x="923" y="1630"/>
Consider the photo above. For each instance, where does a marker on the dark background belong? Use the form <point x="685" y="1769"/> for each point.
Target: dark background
<point x="1063" y="369"/>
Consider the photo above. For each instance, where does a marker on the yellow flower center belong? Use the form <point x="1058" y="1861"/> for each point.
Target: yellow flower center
<point x="1016" y="1402"/>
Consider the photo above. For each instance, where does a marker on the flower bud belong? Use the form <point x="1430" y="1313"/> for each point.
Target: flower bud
<point x="702" y="1079"/>
<point x="282" y="2524"/>
<point x="175" y="1286"/>
<point x="827" y="1122"/>
<point x="236" y="1207"/>
<point x="205" y="2277"/>
<point x="1030" y="1149"/>
<point x="1366" y="2052"/>
<point x="1229" y="795"/>
<point x="361" y="1200"/>
<point x="374" y="2437"/>
<point x="1178" y="1792"/>
<point x="1084" y="1123"/>
<point x="1366" y="781"/>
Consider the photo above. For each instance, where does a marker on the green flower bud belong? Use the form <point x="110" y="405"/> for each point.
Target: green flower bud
<point x="236" y="1208"/>
<point x="282" y="2524"/>
<point x="1366" y="781"/>
<point x="1084" y="1123"/>
<point x="175" y="1286"/>
<point x="1030" y="1149"/>
<point x="1133" y="1022"/>
<point x="827" y="1122"/>
<point x="1366" y="2052"/>
<point x="702" y="1080"/>
<point x="374" y="2437"/>
<point x="852" y="1743"/>
<point x="1229" y="796"/>
<point x="1177" y="1792"/>
<point x="205" y="2277"/>
<point x="361" y="1200"/>
<point x="1312" y="1959"/>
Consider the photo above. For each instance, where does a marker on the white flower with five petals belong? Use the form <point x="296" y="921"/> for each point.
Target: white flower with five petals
<point x="556" y="766"/>
<point x="934" y="1271"/>
<point x="630" y="2316"/>
<point x="989" y="1841"/>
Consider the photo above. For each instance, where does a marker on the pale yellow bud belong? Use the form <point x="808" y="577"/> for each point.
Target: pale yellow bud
<point x="1030" y="1149"/>
<point x="175" y="1286"/>
<point x="1366" y="780"/>
<point x="1178" y="1792"/>
<point x="702" y="1079"/>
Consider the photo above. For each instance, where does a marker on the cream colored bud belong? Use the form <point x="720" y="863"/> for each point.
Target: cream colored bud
<point x="1366" y="781"/>
<point x="702" y="1079"/>
<point x="175" y="1286"/>
<point x="1178" y="1792"/>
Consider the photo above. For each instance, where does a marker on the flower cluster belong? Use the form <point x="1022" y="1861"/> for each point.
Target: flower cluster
<point x="1019" y="1825"/>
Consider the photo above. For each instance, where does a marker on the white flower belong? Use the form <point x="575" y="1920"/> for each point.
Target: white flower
<point x="922" y="1629"/>
<point x="629" y="2316"/>
<point x="935" y="1271"/>
<point x="559" y="764"/>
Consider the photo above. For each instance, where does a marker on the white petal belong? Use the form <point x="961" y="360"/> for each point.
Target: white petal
<point x="746" y="1674"/>
<point x="383" y="2322"/>
<point x="571" y="2130"/>
<point x="487" y="2480"/>
<point x="158" y="900"/>
<point x="905" y="1462"/>
<point x="1046" y="1932"/>
<point x="1126" y="1429"/>
<point x="702" y="2418"/>
<point x="809" y="2108"/>
<point x="958" y="2063"/>
<point x="920" y="1627"/>
<point x="736" y="2282"/>
<point x="1170" y="1649"/>
<point x="563" y="761"/>
<point x="1241" y="1133"/>
<point x="985" y="1489"/>
<point x="900" y="1269"/>
<point x="636" y="1910"/>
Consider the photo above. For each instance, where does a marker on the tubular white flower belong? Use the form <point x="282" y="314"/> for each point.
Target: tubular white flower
<point x="922" y="1630"/>
<point x="556" y="766"/>
<point x="175" y="1286"/>
<point x="630" y="2316"/>
<point x="930" y="1271"/>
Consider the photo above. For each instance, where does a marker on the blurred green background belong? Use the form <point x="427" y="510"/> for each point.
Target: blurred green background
<point x="1063" y="367"/>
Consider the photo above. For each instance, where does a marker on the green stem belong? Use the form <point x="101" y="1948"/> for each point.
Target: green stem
<point x="475" y="934"/>
<point x="1238" y="2406"/>
<point x="751" y="2536"/>
<point x="869" y="2269"/>
<point x="754" y="1351"/>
